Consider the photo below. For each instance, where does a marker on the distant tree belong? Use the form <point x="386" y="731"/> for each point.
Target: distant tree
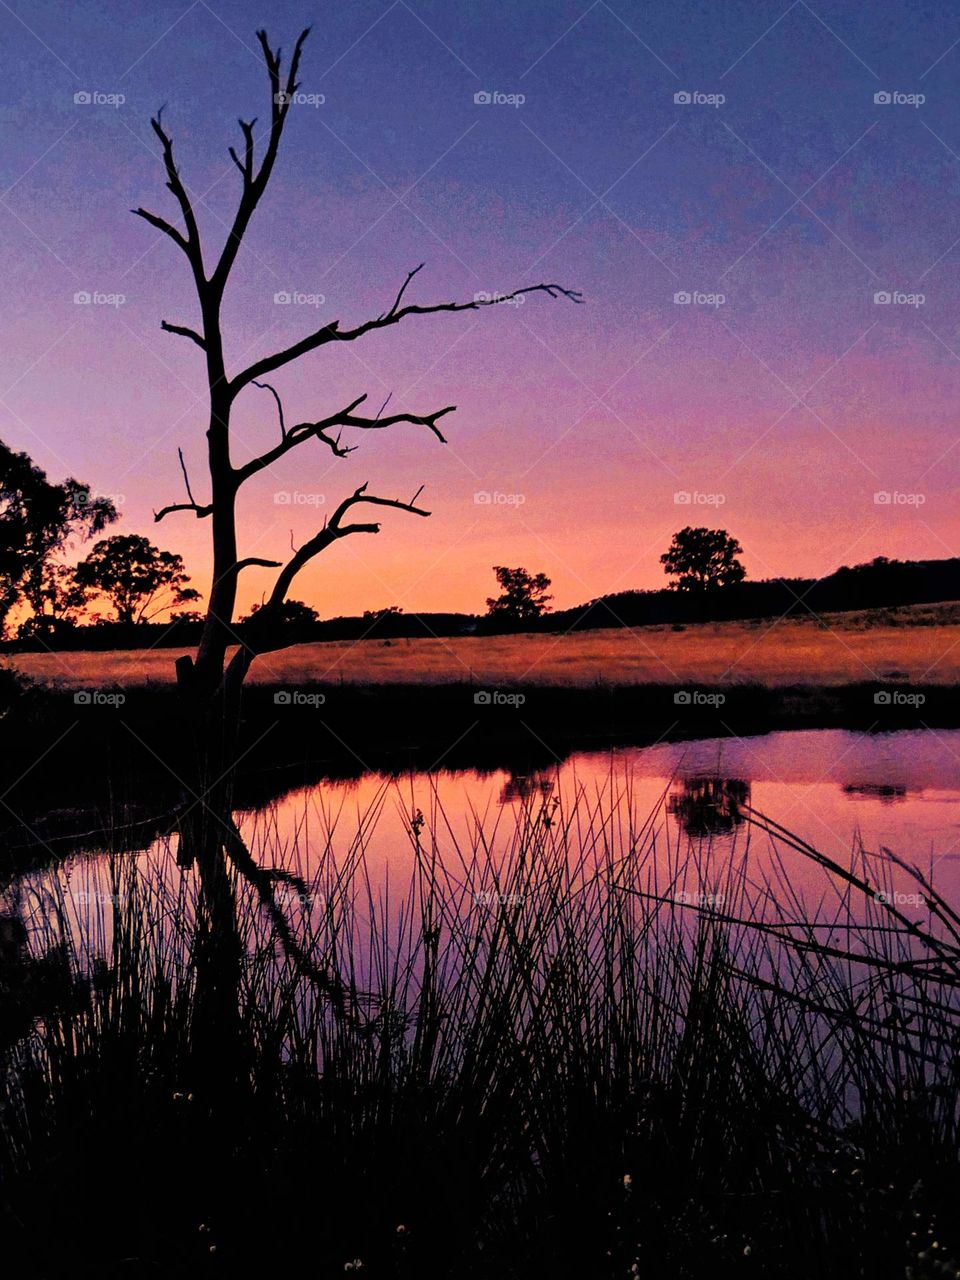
<point x="376" y="615"/>
<point x="523" y="596"/>
<point x="139" y="580"/>
<point x="38" y="519"/>
<point x="293" y="613"/>
<point x="703" y="560"/>
<point x="57" y="604"/>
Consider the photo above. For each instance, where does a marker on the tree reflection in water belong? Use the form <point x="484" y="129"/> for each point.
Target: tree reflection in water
<point x="709" y="806"/>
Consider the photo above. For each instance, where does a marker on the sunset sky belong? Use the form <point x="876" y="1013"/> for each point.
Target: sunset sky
<point x="782" y="409"/>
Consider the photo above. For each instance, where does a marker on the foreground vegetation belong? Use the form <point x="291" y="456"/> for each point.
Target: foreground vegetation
<point x="914" y="644"/>
<point x="564" y="1046"/>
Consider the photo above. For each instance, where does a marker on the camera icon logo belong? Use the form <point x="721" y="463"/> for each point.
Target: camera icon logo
<point x="282" y="99"/>
<point x="482" y="699"/>
<point x="82" y="98"/>
<point x="483" y="97"/>
<point x="882" y="698"/>
<point x="82" y="298"/>
<point x="882" y="98"/>
<point x="682" y="698"/>
<point x="283" y="298"/>
<point x="282" y="498"/>
<point x="882" y="499"/>
<point x="282" y="698"/>
<point x="682" y="498"/>
<point x="82" y="698"/>
<point x="882" y="298"/>
<point x="682" y="98"/>
<point x="682" y="298"/>
<point x="483" y="497"/>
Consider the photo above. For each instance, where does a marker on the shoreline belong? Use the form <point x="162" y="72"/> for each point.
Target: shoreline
<point x="103" y="761"/>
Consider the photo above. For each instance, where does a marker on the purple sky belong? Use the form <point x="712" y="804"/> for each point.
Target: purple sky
<point x="782" y="410"/>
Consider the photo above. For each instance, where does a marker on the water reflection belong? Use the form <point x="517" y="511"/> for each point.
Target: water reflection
<point x="709" y="806"/>
<point x="832" y="788"/>
<point x="526" y="786"/>
<point x="885" y="792"/>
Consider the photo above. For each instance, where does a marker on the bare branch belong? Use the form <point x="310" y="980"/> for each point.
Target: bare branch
<point x="199" y="511"/>
<point x="255" y="181"/>
<point x="186" y="478"/>
<point x="265" y="386"/>
<point x="333" y="333"/>
<point x="416" y="420"/>
<point x="344" y="418"/>
<point x="330" y="533"/>
<point x="403" y="289"/>
<point x="189" y="243"/>
<point x="256" y="562"/>
<point x="162" y="225"/>
<point x="184" y="332"/>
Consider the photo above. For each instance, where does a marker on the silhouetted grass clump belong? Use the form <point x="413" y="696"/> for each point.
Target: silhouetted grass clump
<point x="566" y="1046"/>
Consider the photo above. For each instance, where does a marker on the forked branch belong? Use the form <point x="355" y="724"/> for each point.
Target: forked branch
<point x="332" y="530"/>
<point x="189" y="243"/>
<point x="198" y="510"/>
<point x="255" y="180"/>
<point x="333" y="333"/>
<point x="293" y="436"/>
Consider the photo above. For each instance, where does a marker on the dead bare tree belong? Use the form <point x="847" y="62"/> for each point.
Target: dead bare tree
<point x="207" y="678"/>
<point x="210" y="686"/>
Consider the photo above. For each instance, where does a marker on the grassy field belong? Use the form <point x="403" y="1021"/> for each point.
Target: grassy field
<point x="916" y="644"/>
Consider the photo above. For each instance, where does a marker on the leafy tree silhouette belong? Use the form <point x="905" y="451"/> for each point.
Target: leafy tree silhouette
<point x="38" y="518"/>
<point x="523" y="596"/>
<point x="703" y="560"/>
<point x="139" y="580"/>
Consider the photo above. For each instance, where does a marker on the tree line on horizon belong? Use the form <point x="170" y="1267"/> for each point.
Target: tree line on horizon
<point x="138" y="583"/>
<point x="125" y="585"/>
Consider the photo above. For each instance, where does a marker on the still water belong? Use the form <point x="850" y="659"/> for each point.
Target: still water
<point x="851" y="795"/>
<point x="836" y="789"/>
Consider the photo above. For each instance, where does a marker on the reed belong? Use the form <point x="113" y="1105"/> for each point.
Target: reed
<point x="568" y="1043"/>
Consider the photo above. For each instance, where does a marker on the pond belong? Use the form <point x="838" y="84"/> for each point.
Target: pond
<point x="835" y="789"/>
